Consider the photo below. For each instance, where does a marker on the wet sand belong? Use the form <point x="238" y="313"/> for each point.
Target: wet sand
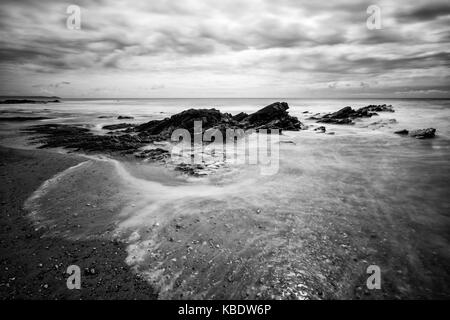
<point x="34" y="267"/>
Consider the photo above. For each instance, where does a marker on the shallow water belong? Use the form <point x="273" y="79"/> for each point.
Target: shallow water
<point x="337" y="204"/>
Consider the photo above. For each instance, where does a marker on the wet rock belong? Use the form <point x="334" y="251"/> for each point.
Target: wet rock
<point x="22" y="119"/>
<point x="124" y="117"/>
<point x="273" y="116"/>
<point x="320" y="129"/>
<point x="240" y="116"/>
<point x="81" y="139"/>
<point x="157" y="154"/>
<point x="118" y="126"/>
<point x="16" y="101"/>
<point x="402" y="132"/>
<point x="423" y="133"/>
<point x="347" y="114"/>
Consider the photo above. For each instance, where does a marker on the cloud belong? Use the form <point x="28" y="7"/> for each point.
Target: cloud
<point x="222" y="47"/>
<point x="427" y="12"/>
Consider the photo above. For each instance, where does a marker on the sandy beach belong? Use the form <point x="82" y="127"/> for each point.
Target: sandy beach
<point x="34" y="267"/>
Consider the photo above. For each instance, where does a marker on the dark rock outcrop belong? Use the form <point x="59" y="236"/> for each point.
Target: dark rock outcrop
<point x="347" y="115"/>
<point x="418" y="134"/>
<point x="134" y="137"/>
<point x="81" y="139"/>
<point x="22" y="119"/>
<point x="17" y="101"/>
<point x="124" y="117"/>
<point x="423" y="133"/>
<point x="118" y="126"/>
<point x="240" y="116"/>
<point x="273" y="116"/>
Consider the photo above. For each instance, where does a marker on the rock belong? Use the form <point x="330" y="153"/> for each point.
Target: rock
<point x="77" y="138"/>
<point x="336" y="121"/>
<point x="90" y="271"/>
<point x="402" y="132"/>
<point x="153" y="154"/>
<point x="240" y="116"/>
<point x="320" y="129"/>
<point x="273" y="116"/>
<point x="184" y="120"/>
<point x="423" y="133"/>
<point x="118" y="126"/>
<point x="16" y="101"/>
<point x="134" y="137"/>
<point x="124" y="117"/>
<point x="347" y="114"/>
<point x="22" y="119"/>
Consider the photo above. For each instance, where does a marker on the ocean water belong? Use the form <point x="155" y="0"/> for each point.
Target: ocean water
<point x="335" y="205"/>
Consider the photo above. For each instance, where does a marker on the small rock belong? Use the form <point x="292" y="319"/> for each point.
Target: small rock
<point x="423" y="133"/>
<point x="402" y="132"/>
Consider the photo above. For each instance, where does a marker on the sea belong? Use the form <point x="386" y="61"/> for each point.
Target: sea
<point x="335" y="205"/>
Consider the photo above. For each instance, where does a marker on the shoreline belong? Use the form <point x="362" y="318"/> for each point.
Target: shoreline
<point x="34" y="267"/>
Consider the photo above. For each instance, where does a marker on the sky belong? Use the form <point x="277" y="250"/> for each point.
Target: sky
<point x="229" y="48"/>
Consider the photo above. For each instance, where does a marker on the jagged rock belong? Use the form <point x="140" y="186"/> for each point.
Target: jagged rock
<point x="402" y="132"/>
<point x="134" y="137"/>
<point x="273" y="116"/>
<point x="423" y="133"/>
<point x="347" y="114"/>
<point x="240" y="116"/>
<point x="378" y="108"/>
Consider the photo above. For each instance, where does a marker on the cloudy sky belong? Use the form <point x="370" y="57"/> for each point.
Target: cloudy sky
<point x="229" y="48"/>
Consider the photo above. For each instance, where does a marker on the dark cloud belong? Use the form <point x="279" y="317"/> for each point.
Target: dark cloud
<point x="426" y="12"/>
<point x="325" y="44"/>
